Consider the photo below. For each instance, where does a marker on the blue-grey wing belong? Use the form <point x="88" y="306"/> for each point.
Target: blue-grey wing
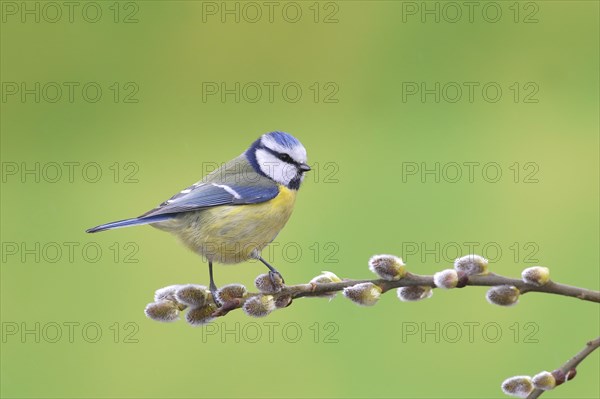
<point x="206" y="195"/>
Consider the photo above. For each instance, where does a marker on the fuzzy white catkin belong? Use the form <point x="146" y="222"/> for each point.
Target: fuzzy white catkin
<point x="414" y="293"/>
<point x="259" y="305"/>
<point x="536" y="275"/>
<point x="520" y="386"/>
<point x="163" y="311"/>
<point x="388" y="267"/>
<point x="503" y="295"/>
<point x="365" y="294"/>
<point x="446" y="279"/>
<point x="471" y="264"/>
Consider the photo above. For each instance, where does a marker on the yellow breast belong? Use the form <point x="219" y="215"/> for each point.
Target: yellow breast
<point x="234" y="233"/>
<point x="284" y="202"/>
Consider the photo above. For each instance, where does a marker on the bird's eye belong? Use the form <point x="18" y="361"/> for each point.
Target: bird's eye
<point x="286" y="158"/>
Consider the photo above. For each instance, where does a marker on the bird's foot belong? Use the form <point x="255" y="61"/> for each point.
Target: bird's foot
<point x="276" y="278"/>
<point x="213" y="292"/>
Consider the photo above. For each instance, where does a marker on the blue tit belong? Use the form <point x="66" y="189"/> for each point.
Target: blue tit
<point x="237" y="210"/>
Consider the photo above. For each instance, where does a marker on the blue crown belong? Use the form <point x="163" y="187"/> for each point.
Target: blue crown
<point x="284" y="139"/>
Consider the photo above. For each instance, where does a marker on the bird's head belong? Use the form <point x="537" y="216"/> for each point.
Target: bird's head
<point x="280" y="157"/>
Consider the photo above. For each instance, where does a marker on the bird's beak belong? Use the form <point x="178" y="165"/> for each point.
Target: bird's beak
<point x="304" y="167"/>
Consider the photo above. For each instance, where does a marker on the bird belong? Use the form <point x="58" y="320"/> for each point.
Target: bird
<point x="234" y="212"/>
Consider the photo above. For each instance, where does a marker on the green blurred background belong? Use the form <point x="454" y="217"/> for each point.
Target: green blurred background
<point x="362" y="130"/>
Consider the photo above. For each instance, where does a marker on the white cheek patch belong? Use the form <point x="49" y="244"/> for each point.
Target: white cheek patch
<point x="275" y="168"/>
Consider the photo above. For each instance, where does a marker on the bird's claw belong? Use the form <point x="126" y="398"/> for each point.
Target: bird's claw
<point x="276" y="278"/>
<point x="213" y="292"/>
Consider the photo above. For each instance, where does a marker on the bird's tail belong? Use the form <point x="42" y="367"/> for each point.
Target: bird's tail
<point x="130" y="222"/>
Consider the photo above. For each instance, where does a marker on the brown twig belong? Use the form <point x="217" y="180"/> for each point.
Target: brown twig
<point x="505" y="291"/>
<point x="487" y="280"/>
<point x="571" y="365"/>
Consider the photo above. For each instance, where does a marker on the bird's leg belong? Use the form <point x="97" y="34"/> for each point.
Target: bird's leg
<point x="212" y="286"/>
<point x="273" y="273"/>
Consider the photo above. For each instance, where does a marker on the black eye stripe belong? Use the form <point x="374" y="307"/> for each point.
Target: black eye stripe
<point x="286" y="158"/>
<point x="281" y="156"/>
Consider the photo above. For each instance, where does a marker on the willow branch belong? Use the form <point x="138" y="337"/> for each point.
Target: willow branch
<point x="487" y="280"/>
<point x="471" y="270"/>
<point x="569" y="368"/>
